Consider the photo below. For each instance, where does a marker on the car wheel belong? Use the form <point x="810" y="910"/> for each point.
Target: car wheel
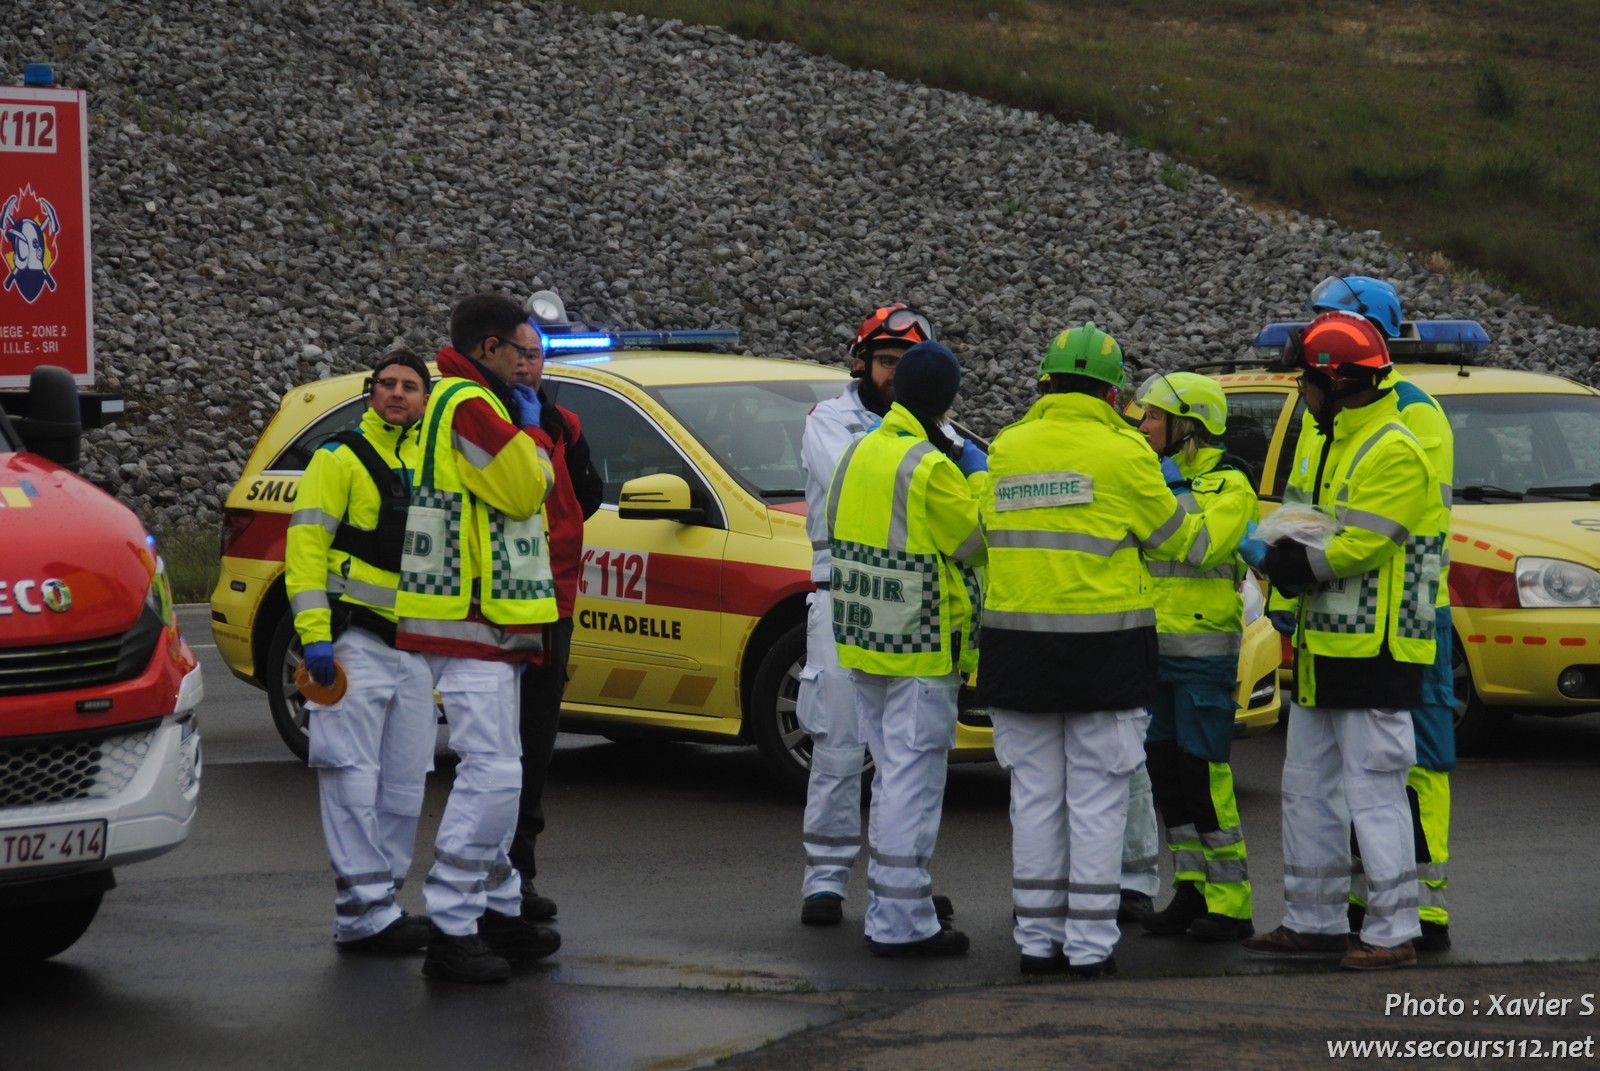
<point x="1478" y="727"/>
<point x="39" y="931"/>
<point x="283" y="696"/>
<point x="774" y="710"/>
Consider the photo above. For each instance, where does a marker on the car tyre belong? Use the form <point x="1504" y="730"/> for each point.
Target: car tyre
<point x="774" y="710"/>
<point x="1479" y="728"/>
<point x="38" y="931"/>
<point x="283" y="696"/>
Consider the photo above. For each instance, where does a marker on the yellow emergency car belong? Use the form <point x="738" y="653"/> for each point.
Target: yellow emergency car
<point x="1525" y="525"/>
<point x="690" y="617"/>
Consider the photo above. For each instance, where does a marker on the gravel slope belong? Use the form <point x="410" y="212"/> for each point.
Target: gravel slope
<point x="283" y="189"/>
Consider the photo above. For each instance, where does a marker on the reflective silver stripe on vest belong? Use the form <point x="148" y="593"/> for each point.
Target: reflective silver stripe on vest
<point x="970" y="545"/>
<point x="1168" y="570"/>
<point x="1374" y="522"/>
<point x="473" y="632"/>
<point x="1446" y="494"/>
<point x="1197" y="644"/>
<point x="1165" y="532"/>
<point x="1011" y="539"/>
<point x="372" y="877"/>
<point x="320" y="518"/>
<point x="1047" y="884"/>
<point x="308" y="600"/>
<point x="1187" y="503"/>
<point x="885" y="859"/>
<point x="1293" y="495"/>
<point x="902" y="493"/>
<point x="1021" y="621"/>
<point x="1317" y="558"/>
<point x="838" y="485"/>
<point x="1197" y="552"/>
<point x="902" y="892"/>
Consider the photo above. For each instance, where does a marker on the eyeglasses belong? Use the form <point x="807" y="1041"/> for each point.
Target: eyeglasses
<point x="526" y="353"/>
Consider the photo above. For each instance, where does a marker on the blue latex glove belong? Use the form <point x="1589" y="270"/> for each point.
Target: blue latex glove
<point x="972" y="459"/>
<point x="529" y="407"/>
<point x="877" y="422"/>
<point x="1169" y="471"/>
<point x="1253" y="551"/>
<point x="1282" y="620"/>
<point x="319" y="662"/>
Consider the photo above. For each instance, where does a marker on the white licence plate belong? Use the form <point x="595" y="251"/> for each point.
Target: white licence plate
<point x="68" y="842"/>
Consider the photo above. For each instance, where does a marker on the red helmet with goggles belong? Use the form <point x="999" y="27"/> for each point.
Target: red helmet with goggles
<point x="897" y="324"/>
<point x="1342" y="346"/>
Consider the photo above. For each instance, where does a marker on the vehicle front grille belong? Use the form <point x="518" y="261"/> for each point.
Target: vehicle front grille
<point x="81" y="663"/>
<point x="74" y="769"/>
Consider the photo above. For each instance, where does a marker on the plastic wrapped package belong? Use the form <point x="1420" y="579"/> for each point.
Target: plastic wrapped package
<point x="1302" y="523"/>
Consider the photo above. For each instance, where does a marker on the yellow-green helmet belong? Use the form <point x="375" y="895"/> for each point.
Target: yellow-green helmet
<point x="1084" y="351"/>
<point x="1187" y="394"/>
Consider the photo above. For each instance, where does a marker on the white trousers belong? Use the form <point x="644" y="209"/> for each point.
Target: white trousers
<point x="1069" y="808"/>
<point x="1345" y="768"/>
<point x="372" y="751"/>
<point x="826" y="708"/>
<point x="1141" y="843"/>
<point x="471" y="871"/>
<point x="909" y="724"/>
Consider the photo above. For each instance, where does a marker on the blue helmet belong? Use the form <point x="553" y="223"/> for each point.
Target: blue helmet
<point x="1362" y="294"/>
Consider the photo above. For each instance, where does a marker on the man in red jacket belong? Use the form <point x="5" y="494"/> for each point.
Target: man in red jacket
<point x="574" y="497"/>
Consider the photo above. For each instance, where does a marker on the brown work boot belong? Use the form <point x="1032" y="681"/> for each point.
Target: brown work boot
<point x="1365" y="957"/>
<point x="1293" y="944"/>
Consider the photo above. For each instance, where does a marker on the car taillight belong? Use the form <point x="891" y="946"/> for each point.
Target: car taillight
<point x="1475" y="585"/>
<point x="234" y="524"/>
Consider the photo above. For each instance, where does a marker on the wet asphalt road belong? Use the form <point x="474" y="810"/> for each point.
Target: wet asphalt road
<point x="677" y="870"/>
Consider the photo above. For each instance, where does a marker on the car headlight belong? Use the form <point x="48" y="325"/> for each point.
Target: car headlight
<point x="1551" y="582"/>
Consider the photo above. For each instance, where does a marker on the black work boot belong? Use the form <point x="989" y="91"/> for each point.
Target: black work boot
<point x="1188" y="903"/>
<point x="943" y="909"/>
<point x="943" y="943"/>
<point x="1214" y="927"/>
<point x="462" y="959"/>
<point x="1435" y="937"/>
<point x="822" y="909"/>
<point x="515" y="939"/>
<point x="403" y="936"/>
<point x="1357" y="914"/>
<point x="536" y="908"/>
<point x="1134" y="906"/>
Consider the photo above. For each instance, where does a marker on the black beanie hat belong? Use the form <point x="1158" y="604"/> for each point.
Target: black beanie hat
<point x="927" y="378"/>
<point x="407" y="358"/>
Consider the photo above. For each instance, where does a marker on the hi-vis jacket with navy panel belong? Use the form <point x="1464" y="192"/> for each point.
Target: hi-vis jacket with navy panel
<point x="475" y="578"/>
<point x="1198" y="609"/>
<point x="337" y="489"/>
<point x="1377" y="581"/>
<point x="1077" y="503"/>
<point x="905" y="542"/>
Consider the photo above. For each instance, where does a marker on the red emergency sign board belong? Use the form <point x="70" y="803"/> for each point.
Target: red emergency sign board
<point x="46" y="295"/>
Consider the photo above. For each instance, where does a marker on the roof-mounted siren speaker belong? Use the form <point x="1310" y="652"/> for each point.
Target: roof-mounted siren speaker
<point x="546" y="307"/>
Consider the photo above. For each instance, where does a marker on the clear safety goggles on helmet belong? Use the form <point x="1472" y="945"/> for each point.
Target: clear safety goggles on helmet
<point x="1335" y="292"/>
<point x="895" y="322"/>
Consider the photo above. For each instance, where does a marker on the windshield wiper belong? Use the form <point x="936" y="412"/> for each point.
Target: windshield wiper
<point x="782" y="493"/>
<point x="1480" y="491"/>
<point x="1591" y="490"/>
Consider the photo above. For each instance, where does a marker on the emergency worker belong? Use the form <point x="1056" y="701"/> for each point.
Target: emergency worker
<point x="372" y="748"/>
<point x="905" y="541"/>
<point x="826" y="706"/>
<point x="1069" y="642"/>
<point x="475" y="594"/>
<point x="1199" y="627"/>
<point x="1433" y="719"/>
<point x="573" y="498"/>
<point x="1364" y="639"/>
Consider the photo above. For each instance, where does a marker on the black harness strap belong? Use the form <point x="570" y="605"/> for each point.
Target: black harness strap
<point x="379" y="546"/>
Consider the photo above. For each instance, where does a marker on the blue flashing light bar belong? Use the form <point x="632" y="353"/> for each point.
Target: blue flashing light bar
<point x="1416" y="336"/>
<point x="580" y="341"/>
<point x="711" y="336"/>
<point x="560" y="339"/>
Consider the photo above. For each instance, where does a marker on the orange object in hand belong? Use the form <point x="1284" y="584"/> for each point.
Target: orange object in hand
<point x="326" y="695"/>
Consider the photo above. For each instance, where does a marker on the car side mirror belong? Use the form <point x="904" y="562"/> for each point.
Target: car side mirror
<point x="660" y="496"/>
<point x="53" y="427"/>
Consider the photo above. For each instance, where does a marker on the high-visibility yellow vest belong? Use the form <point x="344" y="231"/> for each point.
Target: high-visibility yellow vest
<point x="1076" y="496"/>
<point x="458" y="546"/>
<point x="1198" y="609"/>
<point x="905" y="541"/>
<point x="1380" y="574"/>
<point x="337" y="492"/>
